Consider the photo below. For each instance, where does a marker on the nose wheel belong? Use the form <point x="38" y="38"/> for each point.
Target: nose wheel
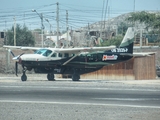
<point x="24" y="77"/>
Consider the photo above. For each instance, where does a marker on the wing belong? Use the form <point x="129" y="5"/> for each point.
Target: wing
<point x="21" y="47"/>
<point x="85" y="49"/>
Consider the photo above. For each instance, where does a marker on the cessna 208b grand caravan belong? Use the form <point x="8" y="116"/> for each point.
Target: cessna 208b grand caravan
<point x="74" y="61"/>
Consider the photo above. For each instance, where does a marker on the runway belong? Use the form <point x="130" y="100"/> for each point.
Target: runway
<point x="90" y="99"/>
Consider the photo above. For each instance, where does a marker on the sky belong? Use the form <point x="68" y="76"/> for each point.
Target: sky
<point x="80" y="12"/>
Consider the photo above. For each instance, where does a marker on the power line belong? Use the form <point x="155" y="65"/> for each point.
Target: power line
<point x="78" y="15"/>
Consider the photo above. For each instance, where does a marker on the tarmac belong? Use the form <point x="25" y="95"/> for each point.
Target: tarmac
<point x="42" y="77"/>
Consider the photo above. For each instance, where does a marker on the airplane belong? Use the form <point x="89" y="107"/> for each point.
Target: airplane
<point x="74" y="61"/>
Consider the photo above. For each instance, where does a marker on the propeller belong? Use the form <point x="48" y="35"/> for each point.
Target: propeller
<point x="16" y="58"/>
<point x="16" y="63"/>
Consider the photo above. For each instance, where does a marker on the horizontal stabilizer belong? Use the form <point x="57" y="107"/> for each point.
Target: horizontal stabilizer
<point x="137" y="54"/>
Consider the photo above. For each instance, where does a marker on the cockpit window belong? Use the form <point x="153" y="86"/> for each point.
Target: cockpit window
<point x="44" y="52"/>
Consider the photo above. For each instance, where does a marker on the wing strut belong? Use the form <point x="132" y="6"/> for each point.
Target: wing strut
<point x="70" y="59"/>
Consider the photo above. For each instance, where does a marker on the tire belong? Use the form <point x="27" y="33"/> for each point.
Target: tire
<point x="24" y="77"/>
<point x="50" y="77"/>
<point x="75" y="77"/>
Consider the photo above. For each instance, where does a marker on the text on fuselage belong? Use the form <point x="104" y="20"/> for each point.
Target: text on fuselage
<point x="120" y="50"/>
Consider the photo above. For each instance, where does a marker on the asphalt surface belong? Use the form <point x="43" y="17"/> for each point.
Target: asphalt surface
<point x="63" y="99"/>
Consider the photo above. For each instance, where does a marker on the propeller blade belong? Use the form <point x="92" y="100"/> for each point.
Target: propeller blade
<point x="11" y="52"/>
<point x="17" y="57"/>
<point x="16" y="68"/>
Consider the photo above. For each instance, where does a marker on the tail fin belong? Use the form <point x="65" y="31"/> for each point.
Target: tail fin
<point x="128" y="40"/>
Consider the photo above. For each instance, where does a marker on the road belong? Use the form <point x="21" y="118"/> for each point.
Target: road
<point x="86" y="99"/>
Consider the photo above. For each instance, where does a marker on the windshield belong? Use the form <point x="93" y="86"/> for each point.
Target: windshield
<point x="44" y="52"/>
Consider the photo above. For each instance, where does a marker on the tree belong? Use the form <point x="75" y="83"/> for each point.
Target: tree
<point x="122" y="28"/>
<point x="156" y="24"/>
<point x="149" y="19"/>
<point x="24" y="37"/>
<point x="113" y="41"/>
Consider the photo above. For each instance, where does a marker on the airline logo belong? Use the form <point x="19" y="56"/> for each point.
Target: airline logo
<point x="107" y="57"/>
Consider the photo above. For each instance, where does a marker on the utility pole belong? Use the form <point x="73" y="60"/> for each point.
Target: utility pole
<point x="109" y="17"/>
<point x="5" y="38"/>
<point x="42" y="28"/>
<point x="134" y="5"/>
<point x="102" y="19"/>
<point x="57" y="24"/>
<point x="141" y="37"/>
<point x="24" y="18"/>
<point x="67" y="27"/>
<point x="14" y="31"/>
<point x="105" y="14"/>
<point x="7" y="54"/>
<point x="49" y="25"/>
<point x="88" y="35"/>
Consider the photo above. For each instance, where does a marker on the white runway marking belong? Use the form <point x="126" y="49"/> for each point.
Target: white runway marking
<point x="128" y="99"/>
<point x="82" y="88"/>
<point x="72" y="103"/>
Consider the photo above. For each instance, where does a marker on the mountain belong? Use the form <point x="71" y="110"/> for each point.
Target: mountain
<point x="113" y="23"/>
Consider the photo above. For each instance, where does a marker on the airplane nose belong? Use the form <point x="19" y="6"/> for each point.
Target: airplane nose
<point x="16" y="58"/>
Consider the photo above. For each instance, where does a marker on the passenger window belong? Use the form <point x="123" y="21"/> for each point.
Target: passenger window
<point x="94" y="56"/>
<point x="99" y="56"/>
<point x="59" y="54"/>
<point x="54" y="55"/>
<point x="72" y="54"/>
<point x="66" y="55"/>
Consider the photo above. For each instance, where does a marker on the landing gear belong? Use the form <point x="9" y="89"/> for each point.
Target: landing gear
<point x="75" y="77"/>
<point x="50" y="76"/>
<point x="24" y="77"/>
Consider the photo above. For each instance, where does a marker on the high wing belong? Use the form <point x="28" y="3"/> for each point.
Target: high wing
<point x="21" y="47"/>
<point x="63" y="50"/>
<point x="85" y="49"/>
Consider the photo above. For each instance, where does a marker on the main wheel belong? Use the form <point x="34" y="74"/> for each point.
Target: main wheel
<point x="75" y="77"/>
<point x="23" y="77"/>
<point x="50" y="77"/>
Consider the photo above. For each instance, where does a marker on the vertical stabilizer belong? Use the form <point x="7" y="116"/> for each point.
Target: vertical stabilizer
<point x="128" y="40"/>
